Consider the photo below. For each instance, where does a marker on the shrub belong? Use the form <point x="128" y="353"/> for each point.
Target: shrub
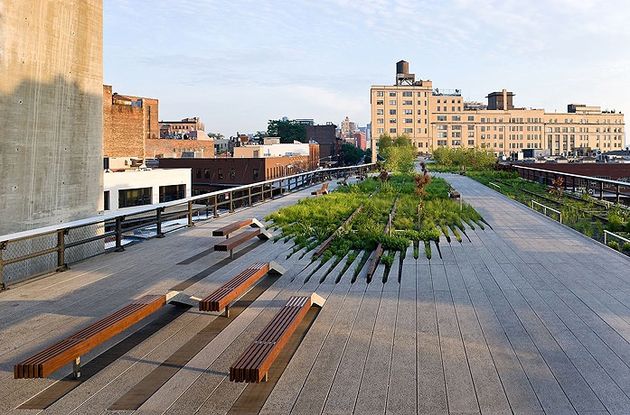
<point x="613" y="245"/>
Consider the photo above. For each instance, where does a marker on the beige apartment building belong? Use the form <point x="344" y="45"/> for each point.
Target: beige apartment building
<point x="441" y="118"/>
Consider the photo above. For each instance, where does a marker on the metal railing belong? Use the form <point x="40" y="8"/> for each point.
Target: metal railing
<point x="614" y="235"/>
<point x="597" y="187"/>
<point x="496" y="186"/>
<point x="24" y="255"/>
<point x="545" y="209"/>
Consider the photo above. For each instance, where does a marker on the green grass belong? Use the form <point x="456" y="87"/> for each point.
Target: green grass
<point x="418" y="218"/>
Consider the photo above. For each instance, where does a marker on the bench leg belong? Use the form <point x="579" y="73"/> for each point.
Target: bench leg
<point x="226" y="312"/>
<point x="231" y="254"/>
<point x="266" y="377"/>
<point x="76" y="367"/>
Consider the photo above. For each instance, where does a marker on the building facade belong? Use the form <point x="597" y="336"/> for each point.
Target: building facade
<point x="184" y="129"/>
<point x="131" y="129"/>
<point x="329" y="144"/>
<point x="51" y="90"/>
<point x="434" y="118"/>
<point x="219" y="173"/>
<point x="309" y="150"/>
<point x="129" y="188"/>
<point x="128" y="122"/>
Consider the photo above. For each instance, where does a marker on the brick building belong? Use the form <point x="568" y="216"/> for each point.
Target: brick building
<point x="329" y="144"/>
<point x="127" y="122"/>
<point x="215" y="174"/>
<point x="182" y="129"/>
<point x="131" y="129"/>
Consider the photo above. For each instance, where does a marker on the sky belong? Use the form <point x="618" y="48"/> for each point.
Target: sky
<point x="237" y="64"/>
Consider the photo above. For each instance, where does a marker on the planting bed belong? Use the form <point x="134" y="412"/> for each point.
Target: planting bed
<point x="374" y="219"/>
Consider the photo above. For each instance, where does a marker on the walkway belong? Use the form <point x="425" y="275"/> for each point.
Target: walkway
<point x="528" y="317"/>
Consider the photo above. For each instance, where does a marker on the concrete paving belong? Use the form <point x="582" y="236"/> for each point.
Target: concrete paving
<point x="524" y="317"/>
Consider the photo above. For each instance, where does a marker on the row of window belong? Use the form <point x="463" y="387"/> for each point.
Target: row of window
<point x="404" y="93"/>
<point x="144" y="196"/>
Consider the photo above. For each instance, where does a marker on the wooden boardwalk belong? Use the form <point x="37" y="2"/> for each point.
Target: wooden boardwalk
<point x="528" y="317"/>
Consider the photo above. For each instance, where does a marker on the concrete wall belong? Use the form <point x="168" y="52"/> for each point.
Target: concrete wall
<point x="138" y="179"/>
<point x="51" y="117"/>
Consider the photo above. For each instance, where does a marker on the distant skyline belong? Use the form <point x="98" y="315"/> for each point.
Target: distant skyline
<point x="238" y="64"/>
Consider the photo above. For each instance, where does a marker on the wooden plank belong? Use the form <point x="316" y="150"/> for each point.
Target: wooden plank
<point x="228" y="229"/>
<point x="58" y="355"/>
<point x="234" y="288"/>
<point x="236" y="240"/>
<point x="254" y="363"/>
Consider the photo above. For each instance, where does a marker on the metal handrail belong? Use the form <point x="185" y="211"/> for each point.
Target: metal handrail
<point x="577" y="176"/>
<point x="115" y="223"/>
<point x="614" y="235"/>
<point x="546" y="208"/>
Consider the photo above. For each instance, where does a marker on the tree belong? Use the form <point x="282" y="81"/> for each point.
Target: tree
<point x="288" y="131"/>
<point x="351" y="155"/>
<point x="216" y="136"/>
<point x="398" y="153"/>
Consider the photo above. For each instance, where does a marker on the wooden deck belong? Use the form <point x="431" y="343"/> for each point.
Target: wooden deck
<point x="528" y="317"/>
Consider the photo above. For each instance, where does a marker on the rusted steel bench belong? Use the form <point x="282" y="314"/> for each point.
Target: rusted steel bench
<point x="253" y="365"/>
<point x="221" y="298"/>
<point x="321" y="191"/>
<point x="232" y="242"/>
<point x="71" y="349"/>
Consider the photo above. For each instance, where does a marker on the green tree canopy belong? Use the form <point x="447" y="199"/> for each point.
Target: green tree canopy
<point x="398" y="153"/>
<point x="288" y="131"/>
<point x="351" y="155"/>
<point x="470" y="158"/>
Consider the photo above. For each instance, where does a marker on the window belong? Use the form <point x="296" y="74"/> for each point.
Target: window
<point x="392" y="94"/>
<point x="408" y="102"/>
<point x="134" y="197"/>
<point x="379" y="102"/>
<point x="392" y="131"/>
<point x="220" y="173"/>
<point x="407" y="94"/>
<point x="198" y="173"/>
<point x="106" y="200"/>
<point x="471" y="127"/>
<point x="457" y="127"/>
<point x="256" y="172"/>
<point x="392" y="120"/>
<point x="174" y="192"/>
<point x="379" y="121"/>
<point x="379" y="93"/>
<point x="408" y="120"/>
<point x="392" y="112"/>
<point x="408" y="112"/>
<point x="206" y="173"/>
<point x="442" y="134"/>
<point x="379" y="111"/>
<point x="441" y="142"/>
<point x="441" y="117"/>
<point x="392" y="102"/>
<point x="457" y="118"/>
<point x="380" y="131"/>
<point x="408" y="130"/>
<point x="232" y="173"/>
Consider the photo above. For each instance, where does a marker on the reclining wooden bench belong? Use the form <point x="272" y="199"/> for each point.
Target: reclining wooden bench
<point x="321" y="191"/>
<point x="232" y="242"/>
<point x="70" y="349"/>
<point x="253" y="365"/>
<point x="221" y="298"/>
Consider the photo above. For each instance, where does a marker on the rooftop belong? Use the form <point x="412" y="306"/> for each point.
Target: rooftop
<point x="526" y="316"/>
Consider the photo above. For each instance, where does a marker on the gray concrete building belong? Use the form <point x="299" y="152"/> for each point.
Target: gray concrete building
<point x="51" y="112"/>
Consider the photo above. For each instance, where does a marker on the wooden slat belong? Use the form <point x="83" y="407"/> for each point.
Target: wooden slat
<point x="228" y="229"/>
<point x="254" y="363"/>
<point x="234" y="288"/>
<point x="236" y="240"/>
<point x="45" y="362"/>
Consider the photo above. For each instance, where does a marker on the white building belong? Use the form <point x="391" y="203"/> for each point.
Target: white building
<point x="139" y="187"/>
<point x="272" y="150"/>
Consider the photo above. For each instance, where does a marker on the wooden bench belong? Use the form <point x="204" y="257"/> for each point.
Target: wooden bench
<point x="233" y="227"/>
<point x="221" y="298"/>
<point x="232" y="242"/>
<point x="253" y="365"/>
<point x="322" y="191"/>
<point x="71" y="349"/>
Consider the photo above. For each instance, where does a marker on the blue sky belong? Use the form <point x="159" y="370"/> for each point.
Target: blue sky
<point x="237" y="64"/>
